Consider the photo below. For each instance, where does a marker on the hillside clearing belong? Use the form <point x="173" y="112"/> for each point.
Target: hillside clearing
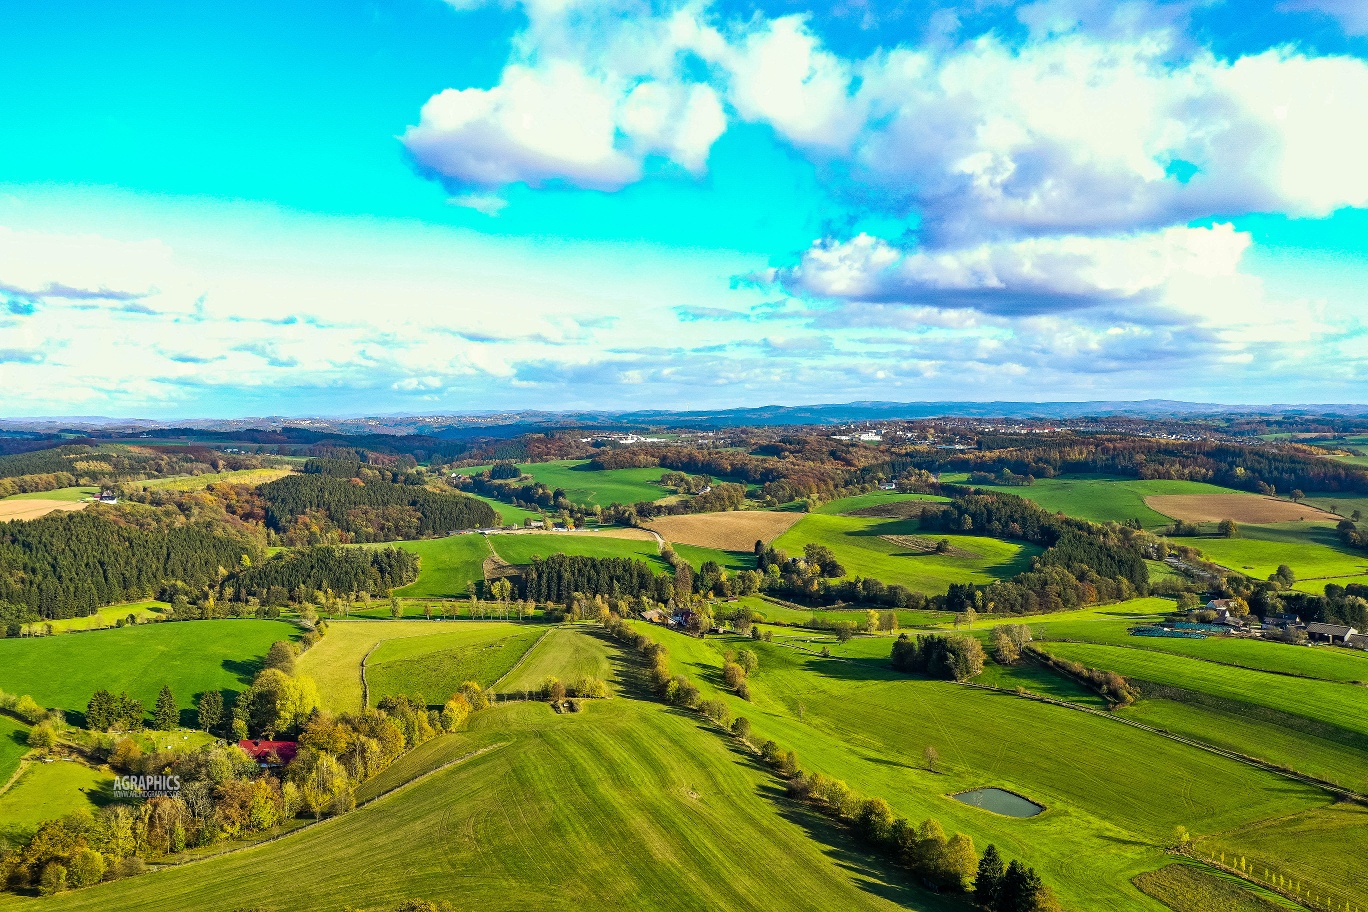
<point x="12" y="508"/>
<point x="736" y="530"/>
<point x="435" y="666"/>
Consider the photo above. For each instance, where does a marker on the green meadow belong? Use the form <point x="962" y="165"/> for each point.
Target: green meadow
<point x="190" y="656"/>
<point x="509" y="515"/>
<point x="624" y="806"/>
<point x="522" y="547"/>
<point x="445" y="565"/>
<point x="1313" y="551"/>
<point x="874" y="499"/>
<point x="46" y="791"/>
<point x="857" y="544"/>
<point x="565" y="653"/>
<point x="71" y="495"/>
<point x="1102" y="498"/>
<point x="727" y="560"/>
<point x="252" y="477"/>
<point x="108" y="616"/>
<point x="1327" y="702"/>
<point x="13" y="746"/>
<point x="584" y="485"/>
<point x="435" y="666"/>
<point x="1106" y="819"/>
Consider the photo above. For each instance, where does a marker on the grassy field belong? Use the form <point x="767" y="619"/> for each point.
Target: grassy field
<point x="509" y="514"/>
<point x="107" y="616"/>
<point x="445" y="565"/>
<point x="857" y="544"/>
<point x="583" y="485"/>
<point x="1312" y="551"/>
<point x="46" y="791"/>
<point x="1107" y="817"/>
<point x="68" y="494"/>
<point x="873" y="499"/>
<point x="13" y="746"/>
<point x="1187" y="888"/>
<point x="728" y="560"/>
<point x="435" y="666"/>
<point x="521" y="548"/>
<point x="1103" y="498"/>
<point x="1317" y="586"/>
<point x="190" y="656"/>
<point x="565" y="653"/>
<point x="1321" y="850"/>
<point x="335" y="661"/>
<point x="1343" y="504"/>
<point x="623" y="806"/>
<point x="1334" y="704"/>
<point x="251" y="477"/>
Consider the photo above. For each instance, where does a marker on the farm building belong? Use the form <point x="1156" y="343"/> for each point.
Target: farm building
<point x="654" y="615"/>
<point x="1330" y="633"/>
<point x="270" y="754"/>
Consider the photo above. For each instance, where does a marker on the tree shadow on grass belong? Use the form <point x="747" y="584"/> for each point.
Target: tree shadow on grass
<point x="21" y="738"/>
<point x="245" y="670"/>
<point x="869" y="871"/>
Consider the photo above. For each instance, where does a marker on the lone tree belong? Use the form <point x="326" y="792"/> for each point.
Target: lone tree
<point x="932" y="757"/>
<point x="166" y="715"/>
<point x="1227" y="528"/>
<point x="210" y="710"/>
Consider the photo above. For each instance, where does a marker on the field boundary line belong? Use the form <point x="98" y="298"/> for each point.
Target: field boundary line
<point x="1341" y="791"/>
<point x="365" y="685"/>
<point x="522" y="658"/>
<point x="314" y="824"/>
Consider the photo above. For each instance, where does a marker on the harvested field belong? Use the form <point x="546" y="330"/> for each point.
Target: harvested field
<point x="17" y="508"/>
<point x="1243" y="508"/>
<point x="922" y="545"/>
<point x="733" y="531"/>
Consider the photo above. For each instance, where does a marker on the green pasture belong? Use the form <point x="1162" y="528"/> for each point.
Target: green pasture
<point x="522" y="547"/>
<point x="72" y="495"/>
<point x="624" y="806"/>
<point x="566" y="653"/>
<point x="13" y="746"/>
<point x="46" y="791"/>
<point x="1103" y="498"/>
<point x="1317" y="586"/>
<point x="856" y="542"/>
<point x="445" y="565"/>
<point x="335" y="661"/>
<point x="1312" y="550"/>
<point x="1108" y="817"/>
<point x="435" y="666"/>
<point x="1188" y="888"/>
<point x="1320" y="850"/>
<point x="508" y="514"/>
<point x="873" y="499"/>
<point x="1343" y="504"/>
<point x="728" y="560"/>
<point x="1329" y="703"/>
<point x="190" y="656"/>
<point x="108" y="616"/>
<point x="583" y="485"/>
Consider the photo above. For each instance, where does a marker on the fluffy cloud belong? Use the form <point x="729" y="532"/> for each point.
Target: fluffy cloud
<point x="1034" y="275"/>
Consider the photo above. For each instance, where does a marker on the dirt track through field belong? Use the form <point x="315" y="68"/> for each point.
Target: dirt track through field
<point x="733" y="531"/>
<point x="1243" y="508"/>
<point x="32" y="509"/>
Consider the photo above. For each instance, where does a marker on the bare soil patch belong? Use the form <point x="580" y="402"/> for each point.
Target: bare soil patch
<point x="926" y="545"/>
<point x="1243" y="508"/>
<point x="32" y="509"/>
<point x="734" y="531"/>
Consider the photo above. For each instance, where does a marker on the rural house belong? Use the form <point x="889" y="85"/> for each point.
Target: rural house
<point x="270" y="754"/>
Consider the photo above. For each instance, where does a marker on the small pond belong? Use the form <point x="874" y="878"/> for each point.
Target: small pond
<point x="999" y="802"/>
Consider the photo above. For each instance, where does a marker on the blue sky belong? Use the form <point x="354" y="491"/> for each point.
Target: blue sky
<point x="423" y="206"/>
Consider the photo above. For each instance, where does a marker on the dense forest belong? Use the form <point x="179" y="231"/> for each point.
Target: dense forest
<point x="316" y="508"/>
<point x="68" y="564"/>
<point x="560" y="577"/>
<point x="296" y="574"/>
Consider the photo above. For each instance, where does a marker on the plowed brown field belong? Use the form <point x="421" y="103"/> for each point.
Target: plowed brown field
<point x="734" y="531"/>
<point x="1243" y="508"/>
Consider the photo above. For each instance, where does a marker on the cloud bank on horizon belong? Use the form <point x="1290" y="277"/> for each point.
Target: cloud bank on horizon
<point x="687" y="204"/>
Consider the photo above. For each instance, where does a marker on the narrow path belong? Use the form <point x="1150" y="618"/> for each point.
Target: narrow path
<point x="365" y="686"/>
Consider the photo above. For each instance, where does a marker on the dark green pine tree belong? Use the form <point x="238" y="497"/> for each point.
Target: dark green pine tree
<point x="210" y="711"/>
<point x="988" y="883"/>
<point x="166" y="715"/>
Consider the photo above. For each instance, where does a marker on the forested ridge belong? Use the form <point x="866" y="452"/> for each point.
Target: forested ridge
<point x="68" y="564"/>
<point x="304" y="508"/>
